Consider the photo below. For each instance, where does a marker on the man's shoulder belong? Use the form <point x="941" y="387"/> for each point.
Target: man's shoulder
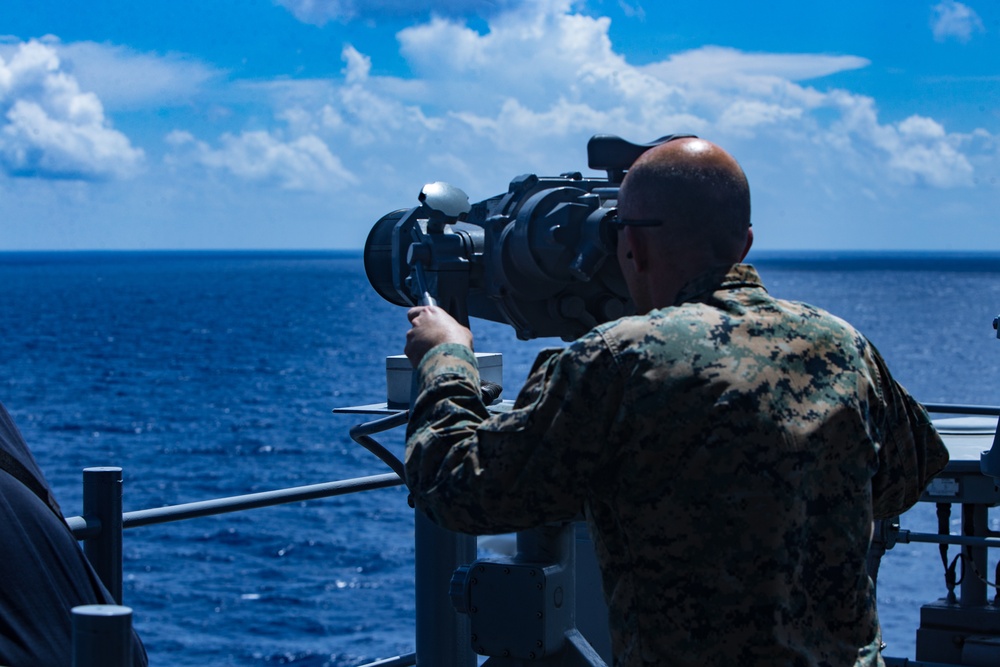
<point x="806" y="316"/>
<point x="665" y="332"/>
<point x="629" y="328"/>
<point x="678" y="321"/>
<point x="741" y="322"/>
<point x="600" y="345"/>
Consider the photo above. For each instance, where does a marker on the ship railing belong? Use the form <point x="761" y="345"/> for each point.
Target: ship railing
<point x="101" y="630"/>
<point x="102" y="502"/>
<point x="100" y="528"/>
<point x="907" y="536"/>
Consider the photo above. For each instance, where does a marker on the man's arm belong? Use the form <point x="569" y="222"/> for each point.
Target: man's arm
<point x="481" y="473"/>
<point x="911" y="450"/>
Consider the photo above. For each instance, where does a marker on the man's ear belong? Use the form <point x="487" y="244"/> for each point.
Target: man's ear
<point x="638" y="249"/>
<point x="749" y="243"/>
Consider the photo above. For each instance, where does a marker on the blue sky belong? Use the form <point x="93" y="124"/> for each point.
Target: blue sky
<point x="176" y="124"/>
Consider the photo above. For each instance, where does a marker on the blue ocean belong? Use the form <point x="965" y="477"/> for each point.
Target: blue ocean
<point x="215" y="374"/>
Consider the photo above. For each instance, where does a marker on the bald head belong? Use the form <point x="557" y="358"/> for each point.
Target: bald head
<point x="701" y="194"/>
<point x="698" y="188"/>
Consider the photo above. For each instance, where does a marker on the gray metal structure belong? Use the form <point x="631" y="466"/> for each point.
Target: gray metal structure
<point x="523" y="609"/>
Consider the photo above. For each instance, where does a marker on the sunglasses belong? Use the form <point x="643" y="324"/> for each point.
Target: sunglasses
<point x="612" y="224"/>
<point x="618" y="224"/>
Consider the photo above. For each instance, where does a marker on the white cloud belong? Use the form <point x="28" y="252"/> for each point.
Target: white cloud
<point x="952" y="19"/>
<point x="552" y="59"/>
<point x="126" y="79"/>
<point x="536" y="83"/>
<point x="537" y="55"/>
<point x="52" y="129"/>
<point x="915" y="151"/>
<point x="631" y="11"/>
<point x="744" y="116"/>
<point x="921" y="151"/>
<point x="719" y="66"/>
<point x="304" y="163"/>
<point x="358" y="65"/>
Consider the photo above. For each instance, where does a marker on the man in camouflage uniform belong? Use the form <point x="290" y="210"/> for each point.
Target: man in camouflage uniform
<point x="729" y="450"/>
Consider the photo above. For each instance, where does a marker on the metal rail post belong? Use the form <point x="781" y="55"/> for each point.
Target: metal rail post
<point x="975" y="520"/>
<point x="442" y="633"/>
<point x="102" y="636"/>
<point x="102" y="498"/>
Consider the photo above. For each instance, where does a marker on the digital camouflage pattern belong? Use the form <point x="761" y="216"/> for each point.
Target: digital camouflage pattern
<point x="729" y="453"/>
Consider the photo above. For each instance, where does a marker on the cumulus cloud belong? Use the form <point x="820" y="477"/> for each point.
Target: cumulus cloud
<point x="319" y="12"/>
<point x="50" y="128"/>
<point x="303" y="163"/>
<point x="535" y="79"/>
<point x="835" y="126"/>
<point x="532" y="54"/>
<point x="954" y="20"/>
<point x="921" y="147"/>
<point x="915" y="151"/>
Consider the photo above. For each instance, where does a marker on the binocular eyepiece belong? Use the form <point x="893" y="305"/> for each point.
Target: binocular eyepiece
<point x="539" y="257"/>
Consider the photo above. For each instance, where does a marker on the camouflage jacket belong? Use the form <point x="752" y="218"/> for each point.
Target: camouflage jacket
<point x="729" y="453"/>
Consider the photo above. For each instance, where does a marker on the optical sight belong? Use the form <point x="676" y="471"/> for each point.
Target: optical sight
<point x="539" y="257"/>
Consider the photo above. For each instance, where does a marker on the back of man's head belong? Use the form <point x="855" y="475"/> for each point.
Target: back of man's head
<point x="698" y="189"/>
